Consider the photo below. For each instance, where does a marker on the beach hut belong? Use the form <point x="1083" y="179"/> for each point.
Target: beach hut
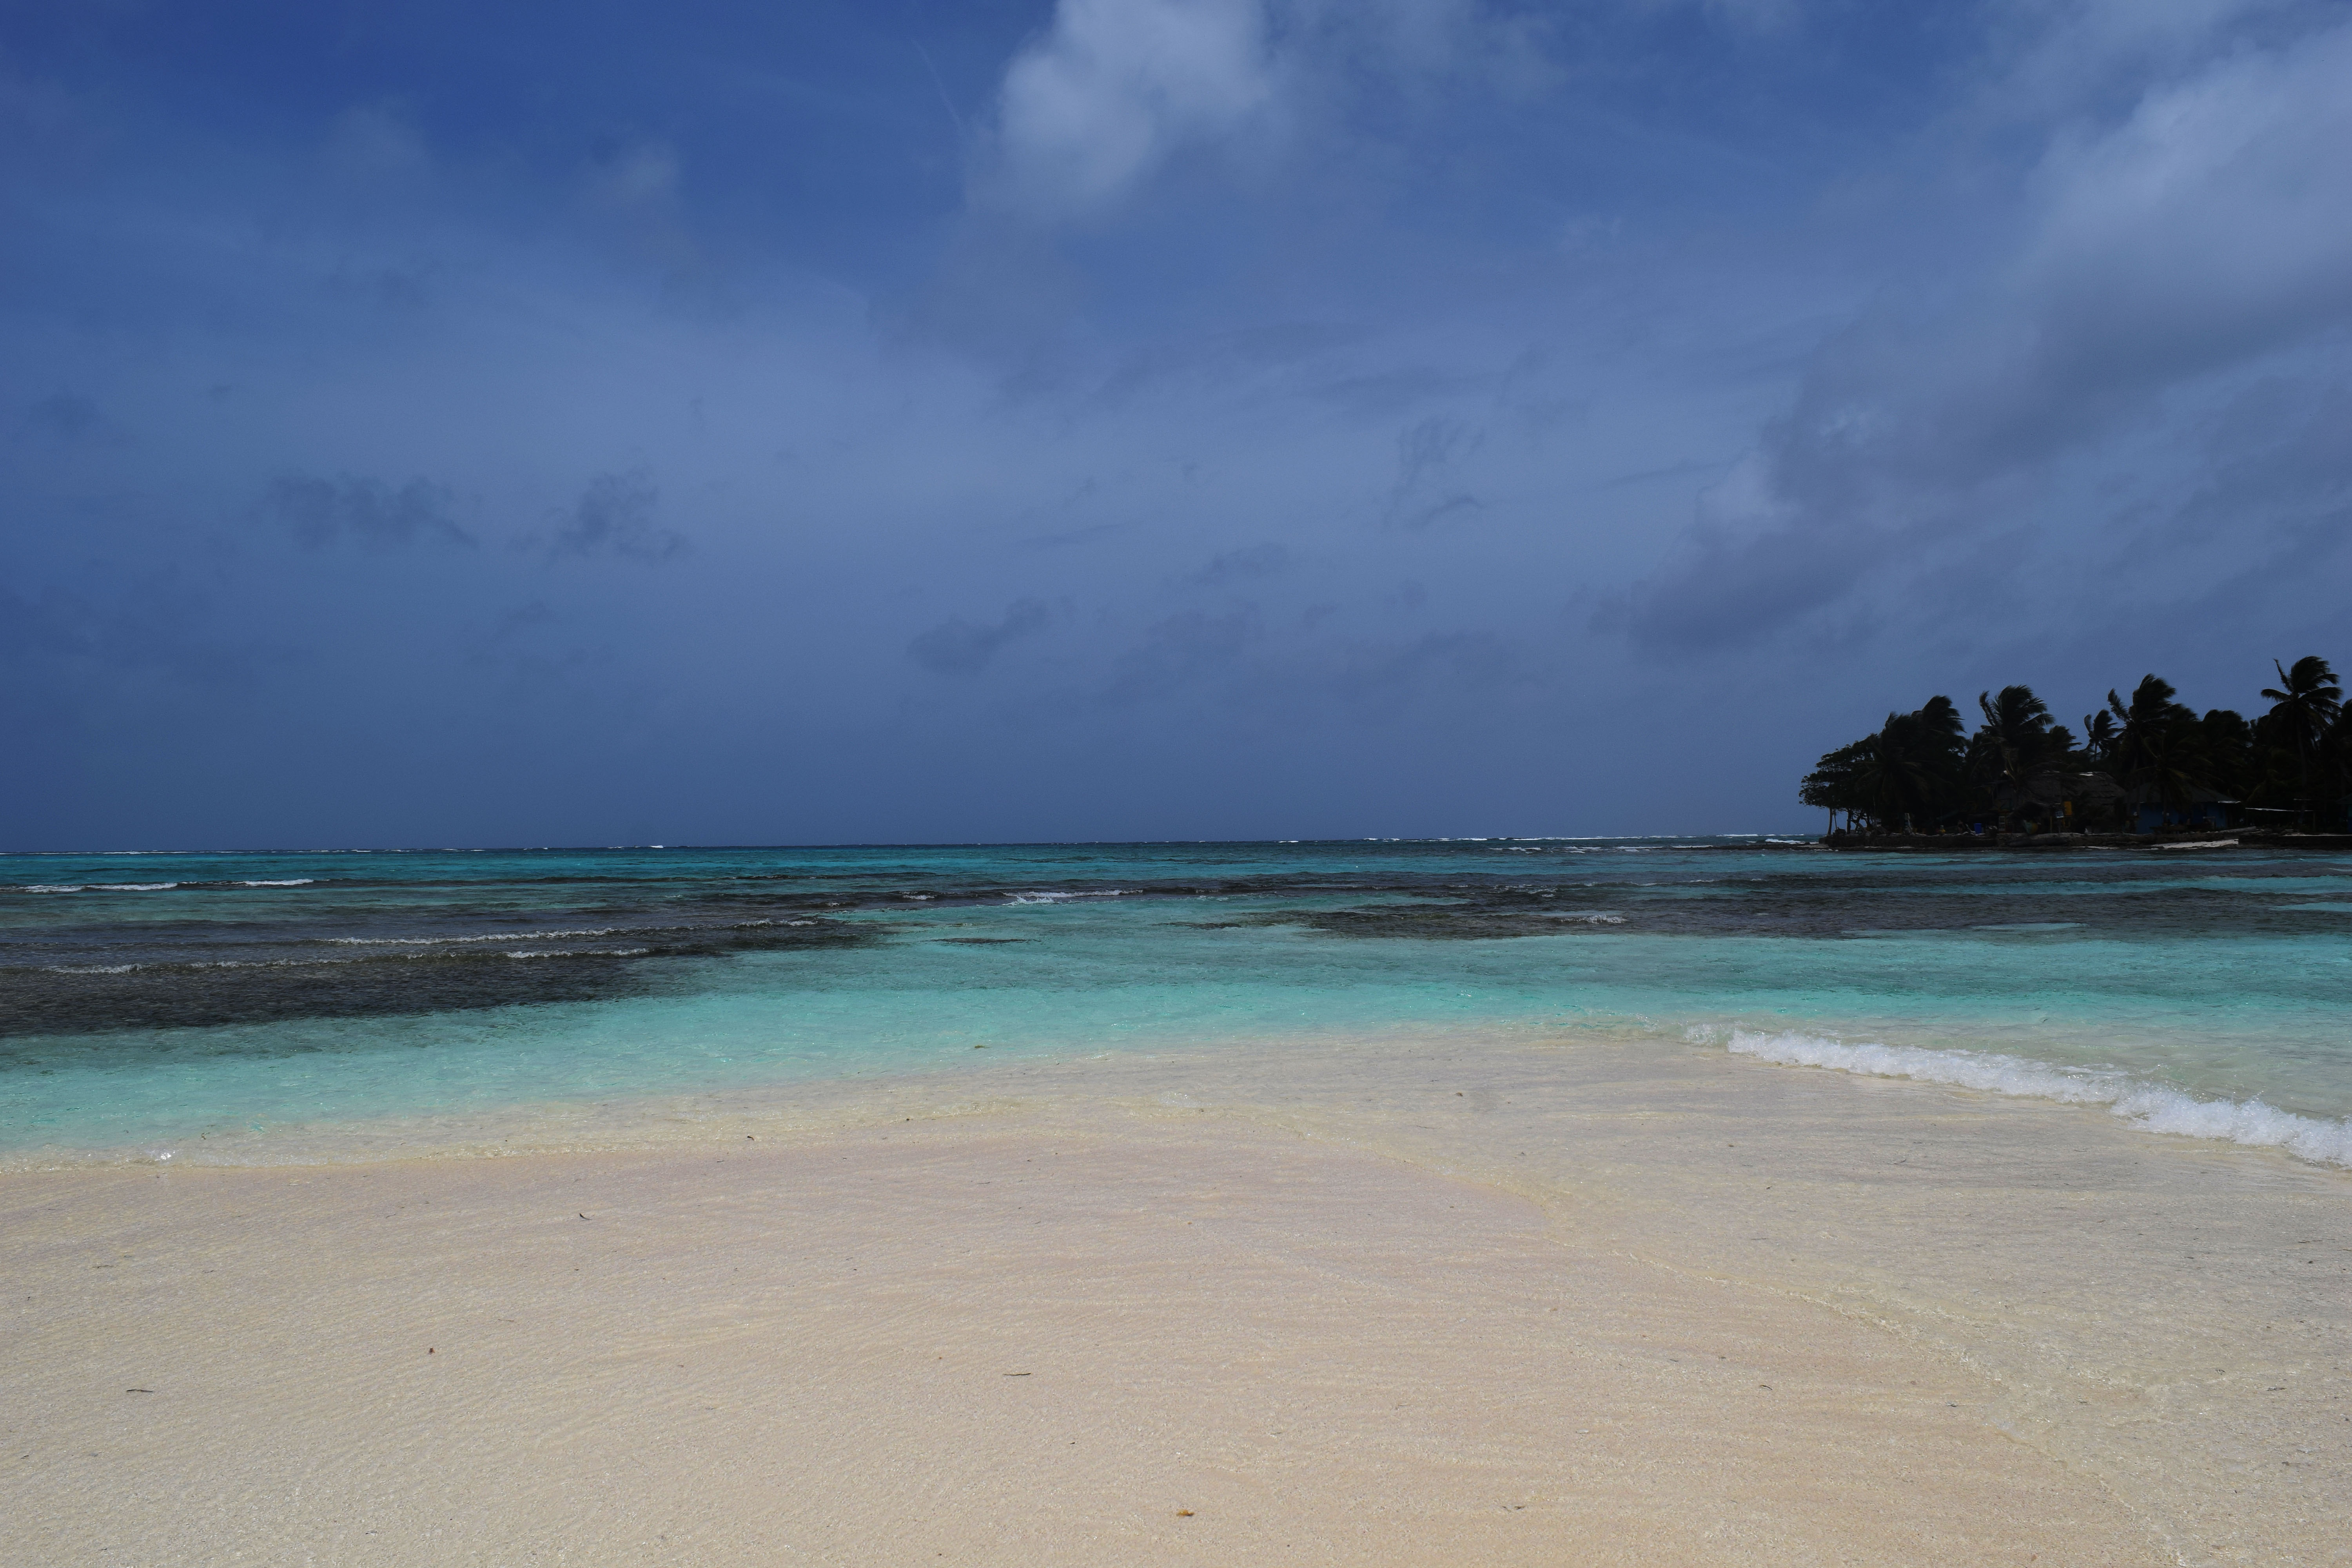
<point x="2189" y="805"/>
<point x="2055" y="799"/>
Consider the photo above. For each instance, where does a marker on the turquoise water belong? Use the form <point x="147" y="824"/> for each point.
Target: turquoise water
<point x="153" y="998"/>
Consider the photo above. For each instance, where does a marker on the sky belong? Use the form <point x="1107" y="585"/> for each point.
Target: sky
<point x="1115" y="419"/>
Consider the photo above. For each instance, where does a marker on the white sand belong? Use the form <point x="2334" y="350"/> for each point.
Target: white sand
<point x="1450" y="1302"/>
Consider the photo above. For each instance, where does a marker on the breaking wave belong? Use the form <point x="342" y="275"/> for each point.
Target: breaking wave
<point x="2151" y="1108"/>
<point x="439" y="941"/>
<point x="586" y="952"/>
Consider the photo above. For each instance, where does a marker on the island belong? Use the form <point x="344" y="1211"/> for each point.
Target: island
<point x="2147" y="769"/>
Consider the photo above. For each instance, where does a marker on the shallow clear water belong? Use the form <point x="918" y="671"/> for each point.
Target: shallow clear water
<point x="145" y="999"/>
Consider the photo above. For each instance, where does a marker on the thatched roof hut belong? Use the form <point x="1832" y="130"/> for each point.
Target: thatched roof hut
<point x="2184" y="794"/>
<point x="2047" y="790"/>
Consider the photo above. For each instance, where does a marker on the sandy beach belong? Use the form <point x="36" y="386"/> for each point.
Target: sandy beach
<point x="1102" y="784"/>
<point x="1412" y="1301"/>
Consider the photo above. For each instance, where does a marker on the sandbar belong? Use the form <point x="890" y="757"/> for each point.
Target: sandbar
<point x="1433" y="1300"/>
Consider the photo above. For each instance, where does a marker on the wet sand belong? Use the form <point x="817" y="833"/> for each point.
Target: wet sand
<point x="1429" y="1301"/>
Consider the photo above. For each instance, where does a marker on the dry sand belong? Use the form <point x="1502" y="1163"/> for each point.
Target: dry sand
<point x="1424" y="1303"/>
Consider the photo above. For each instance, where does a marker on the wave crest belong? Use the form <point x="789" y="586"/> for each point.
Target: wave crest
<point x="2152" y="1108"/>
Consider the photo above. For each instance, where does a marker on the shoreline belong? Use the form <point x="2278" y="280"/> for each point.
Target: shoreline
<point x="2166" y="1322"/>
<point x="802" y="1106"/>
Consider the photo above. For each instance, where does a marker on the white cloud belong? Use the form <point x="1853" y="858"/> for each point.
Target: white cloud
<point x="1100" y="100"/>
<point x="2216" y="219"/>
<point x="2081" y="50"/>
<point x="1115" y="86"/>
<point x="2206" y="226"/>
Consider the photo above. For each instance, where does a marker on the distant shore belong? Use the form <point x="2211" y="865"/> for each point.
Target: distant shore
<point x="2180" y="838"/>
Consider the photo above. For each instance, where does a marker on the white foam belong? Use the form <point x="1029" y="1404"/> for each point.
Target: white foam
<point x="1063" y="897"/>
<point x="54" y="887"/>
<point x="282" y="882"/>
<point x="89" y="968"/>
<point x="1588" y="916"/>
<point x="2152" y="1108"/>
<point x="586" y="952"/>
<point x="2202" y="844"/>
<point x="439" y="941"/>
<point x="132" y="887"/>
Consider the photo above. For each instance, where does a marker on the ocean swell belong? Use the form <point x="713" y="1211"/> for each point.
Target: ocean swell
<point x="2152" y="1108"/>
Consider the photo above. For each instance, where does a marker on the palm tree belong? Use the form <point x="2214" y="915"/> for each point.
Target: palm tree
<point x="2150" y="711"/>
<point x="1898" y="776"/>
<point x="2099" y="732"/>
<point x="2016" y="739"/>
<point x="2171" y="764"/>
<point x="2306" y="703"/>
<point x="2229" y="745"/>
<point x="2156" y="743"/>
<point x="1834" y="784"/>
<point x="2332" y="758"/>
<point x="1916" y="770"/>
<point x="1907" y="770"/>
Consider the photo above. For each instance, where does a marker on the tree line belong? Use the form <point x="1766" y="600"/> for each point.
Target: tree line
<point x="1926" y="772"/>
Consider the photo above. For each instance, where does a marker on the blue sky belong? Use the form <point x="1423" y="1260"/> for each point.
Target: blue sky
<point x="1136" y="418"/>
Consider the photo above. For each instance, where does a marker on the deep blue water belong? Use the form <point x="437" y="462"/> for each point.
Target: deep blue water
<point x="146" y="997"/>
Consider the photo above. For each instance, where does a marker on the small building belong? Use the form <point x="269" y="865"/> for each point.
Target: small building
<point x="2191" y="805"/>
<point x="2074" y="801"/>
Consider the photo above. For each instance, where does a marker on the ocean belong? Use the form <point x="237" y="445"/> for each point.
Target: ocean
<point x="202" y="1005"/>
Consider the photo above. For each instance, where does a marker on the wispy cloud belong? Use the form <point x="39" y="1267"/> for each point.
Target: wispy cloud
<point x="957" y="646"/>
<point x="615" y="516"/>
<point x="319" y="512"/>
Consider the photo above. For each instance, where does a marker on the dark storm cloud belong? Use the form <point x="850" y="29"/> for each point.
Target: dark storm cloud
<point x="1430" y="454"/>
<point x="615" y="516"/>
<point x="2207" y="231"/>
<point x="319" y="512"/>
<point x="1435" y="662"/>
<point x="154" y="625"/>
<point x="958" y="647"/>
<point x="2281" y="457"/>
<point x="1816" y="357"/>
<point x="1182" y="652"/>
<point x="1721" y="591"/>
